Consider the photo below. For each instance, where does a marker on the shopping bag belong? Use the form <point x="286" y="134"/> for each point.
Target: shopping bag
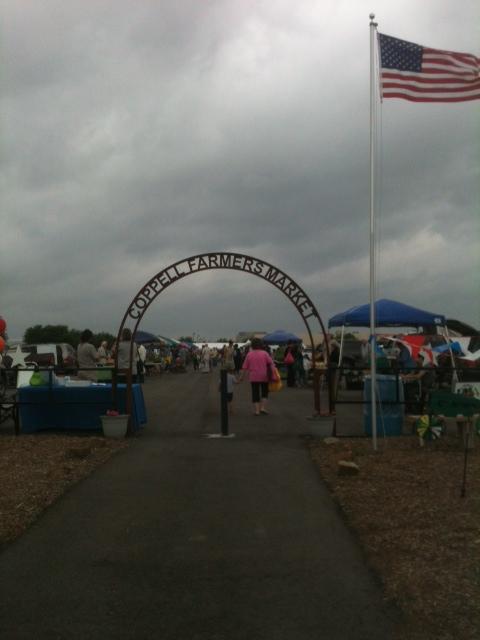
<point x="275" y="386"/>
<point x="275" y="383"/>
<point x="272" y="373"/>
<point x="37" y="380"/>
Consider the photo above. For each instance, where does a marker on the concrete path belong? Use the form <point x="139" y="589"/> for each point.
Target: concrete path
<point x="183" y="537"/>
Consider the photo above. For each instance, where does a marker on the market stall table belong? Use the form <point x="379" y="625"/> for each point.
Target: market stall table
<point x="70" y="407"/>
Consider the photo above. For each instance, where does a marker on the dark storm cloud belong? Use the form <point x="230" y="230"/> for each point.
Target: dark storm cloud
<point x="138" y="133"/>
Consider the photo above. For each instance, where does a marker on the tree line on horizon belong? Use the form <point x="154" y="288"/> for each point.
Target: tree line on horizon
<point x="55" y="334"/>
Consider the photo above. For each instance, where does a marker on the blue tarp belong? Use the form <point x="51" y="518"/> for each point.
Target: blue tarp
<point x="142" y="337"/>
<point x="388" y="313"/>
<point x="280" y="337"/>
<point x="456" y="347"/>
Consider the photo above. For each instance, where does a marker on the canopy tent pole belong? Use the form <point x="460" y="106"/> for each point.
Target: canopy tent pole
<point x="340" y="355"/>
<point x="452" y="358"/>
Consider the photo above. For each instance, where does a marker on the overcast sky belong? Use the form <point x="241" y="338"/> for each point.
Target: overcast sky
<point x="137" y="133"/>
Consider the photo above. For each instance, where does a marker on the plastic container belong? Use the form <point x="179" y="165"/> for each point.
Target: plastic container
<point x="389" y="416"/>
<point x="322" y="426"/>
<point x="115" y="426"/>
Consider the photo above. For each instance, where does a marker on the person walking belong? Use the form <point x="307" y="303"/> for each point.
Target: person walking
<point x="195" y="360"/>
<point x="237" y="358"/>
<point x="205" y="359"/>
<point x="231" y="381"/>
<point x="299" y="369"/>
<point x="289" y="361"/>
<point x="228" y="356"/>
<point x="259" y="365"/>
<point x="333" y="362"/>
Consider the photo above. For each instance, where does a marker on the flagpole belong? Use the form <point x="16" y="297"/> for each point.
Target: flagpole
<point x="373" y="349"/>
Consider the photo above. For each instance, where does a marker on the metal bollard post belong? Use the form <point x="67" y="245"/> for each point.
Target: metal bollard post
<point x="223" y="402"/>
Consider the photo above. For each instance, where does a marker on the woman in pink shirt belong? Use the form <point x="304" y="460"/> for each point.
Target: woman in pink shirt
<point x="259" y="364"/>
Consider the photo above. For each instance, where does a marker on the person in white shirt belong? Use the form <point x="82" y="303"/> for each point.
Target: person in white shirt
<point x="142" y="357"/>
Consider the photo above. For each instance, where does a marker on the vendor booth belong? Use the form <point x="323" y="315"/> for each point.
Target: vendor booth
<point x="62" y="407"/>
<point x="389" y="313"/>
<point x="390" y="390"/>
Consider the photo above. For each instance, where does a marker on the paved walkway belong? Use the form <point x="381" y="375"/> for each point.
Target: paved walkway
<point x="189" y="538"/>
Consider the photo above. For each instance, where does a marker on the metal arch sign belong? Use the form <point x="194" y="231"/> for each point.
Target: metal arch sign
<point x="221" y="260"/>
<point x="224" y="260"/>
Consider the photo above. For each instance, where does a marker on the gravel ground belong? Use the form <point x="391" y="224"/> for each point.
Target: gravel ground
<point x="36" y="470"/>
<point x="418" y="533"/>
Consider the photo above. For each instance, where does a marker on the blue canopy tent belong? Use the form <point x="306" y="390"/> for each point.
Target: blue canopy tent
<point x="144" y="337"/>
<point x="388" y="313"/>
<point x="280" y="337"/>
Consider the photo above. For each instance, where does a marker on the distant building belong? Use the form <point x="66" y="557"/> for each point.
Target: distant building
<point x="243" y="336"/>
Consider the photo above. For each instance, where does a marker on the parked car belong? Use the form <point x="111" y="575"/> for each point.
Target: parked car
<point x="61" y="357"/>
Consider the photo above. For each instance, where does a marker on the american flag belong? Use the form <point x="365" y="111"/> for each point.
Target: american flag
<point x="412" y="72"/>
